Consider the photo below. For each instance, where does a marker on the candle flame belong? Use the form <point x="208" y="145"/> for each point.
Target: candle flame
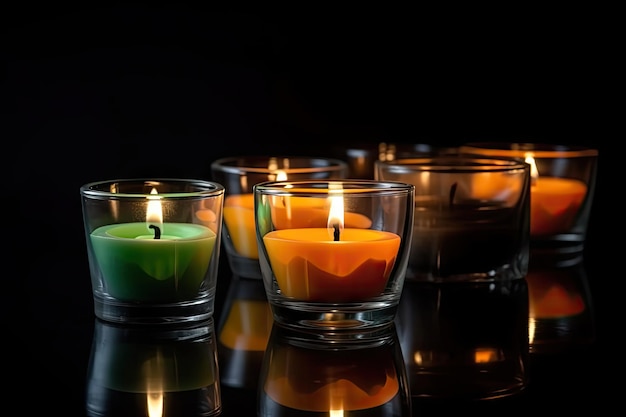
<point x="335" y="215"/>
<point x="275" y="173"/>
<point x="534" y="172"/>
<point x="154" y="214"/>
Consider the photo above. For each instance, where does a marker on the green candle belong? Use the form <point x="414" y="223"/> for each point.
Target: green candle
<point x="142" y="265"/>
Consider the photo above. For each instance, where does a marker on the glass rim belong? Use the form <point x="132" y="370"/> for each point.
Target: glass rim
<point x="102" y="189"/>
<point x="233" y="164"/>
<point x="520" y="149"/>
<point x="361" y="187"/>
<point x="452" y="164"/>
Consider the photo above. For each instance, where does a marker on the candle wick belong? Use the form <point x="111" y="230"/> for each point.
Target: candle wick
<point x="452" y="193"/>
<point x="336" y="232"/>
<point x="157" y="231"/>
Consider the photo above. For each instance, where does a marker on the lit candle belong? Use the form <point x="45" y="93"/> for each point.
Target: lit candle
<point x="554" y="202"/>
<point x="153" y="261"/>
<point x="333" y="263"/>
<point x="239" y="217"/>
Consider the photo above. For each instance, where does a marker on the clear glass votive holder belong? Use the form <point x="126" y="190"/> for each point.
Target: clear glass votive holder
<point x="153" y="247"/>
<point x="239" y="174"/>
<point x="471" y="217"/>
<point x="562" y="190"/>
<point x="333" y="254"/>
<point x="146" y="370"/>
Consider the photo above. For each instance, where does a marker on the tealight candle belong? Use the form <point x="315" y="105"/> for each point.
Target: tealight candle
<point x="152" y="248"/>
<point x="355" y="256"/>
<point x="239" y="174"/>
<point x="471" y="217"/>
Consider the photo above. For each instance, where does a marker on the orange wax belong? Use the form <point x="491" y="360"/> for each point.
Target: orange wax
<point x="309" y="265"/>
<point x="247" y="326"/>
<point x="239" y="220"/>
<point x="342" y="380"/>
<point x="554" y="203"/>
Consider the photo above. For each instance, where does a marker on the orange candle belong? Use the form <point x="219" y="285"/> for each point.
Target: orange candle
<point x="310" y="265"/>
<point x="554" y="202"/>
<point x="238" y="215"/>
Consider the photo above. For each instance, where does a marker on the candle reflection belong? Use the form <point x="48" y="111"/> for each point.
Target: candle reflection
<point x="467" y="341"/>
<point x="139" y="371"/>
<point x="305" y="375"/>
<point x="243" y="332"/>
<point x="560" y="309"/>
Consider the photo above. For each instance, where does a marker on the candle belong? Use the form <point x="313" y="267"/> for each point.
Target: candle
<point x="153" y="261"/>
<point x="239" y="220"/>
<point x="332" y="264"/>
<point x="554" y="202"/>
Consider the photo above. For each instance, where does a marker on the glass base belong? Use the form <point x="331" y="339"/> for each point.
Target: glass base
<point x="112" y="310"/>
<point x="365" y="316"/>
<point x="558" y="250"/>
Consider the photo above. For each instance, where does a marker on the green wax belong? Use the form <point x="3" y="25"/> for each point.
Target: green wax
<point x="135" y="267"/>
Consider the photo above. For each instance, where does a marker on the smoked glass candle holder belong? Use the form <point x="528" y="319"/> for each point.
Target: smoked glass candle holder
<point x="562" y="190"/>
<point x="304" y="375"/>
<point x="151" y="370"/>
<point x="334" y="253"/>
<point x="153" y="248"/>
<point x="239" y="175"/>
<point x="471" y="217"/>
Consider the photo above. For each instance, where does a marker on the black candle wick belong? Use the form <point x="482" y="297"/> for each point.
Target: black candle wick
<point x="157" y="231"/>
<point x="452" y="193"/>
<point x="336" y="232"/>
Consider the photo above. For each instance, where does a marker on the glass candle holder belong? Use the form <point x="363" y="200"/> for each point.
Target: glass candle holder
<point x="361" y="157"/>
<point x="333" y="254"/>
<point x="153" y="247"/>
<point x="143" y="370"/>
<point x="562" y="189"/>
<point x="471" y="217"/>
<point x="239" y="175"/>
<point x="303" y="375"/>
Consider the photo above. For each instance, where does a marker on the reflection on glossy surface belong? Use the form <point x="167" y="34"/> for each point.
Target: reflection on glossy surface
<point x="560" y="308"/>
<point x="304" y="374"/>
<point x="152" y="371"/>
<point x="243" y="332"/>
<point x="465" y="341"/>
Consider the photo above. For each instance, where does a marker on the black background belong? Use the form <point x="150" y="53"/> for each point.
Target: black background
<point x="98" y="92"/>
